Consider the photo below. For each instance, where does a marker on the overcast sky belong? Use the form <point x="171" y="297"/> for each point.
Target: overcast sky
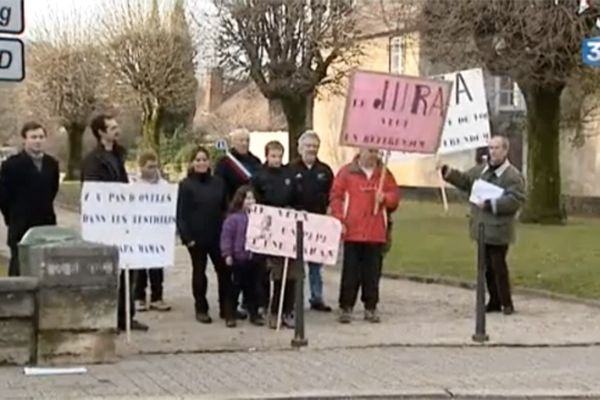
<point x="37" y="10"/>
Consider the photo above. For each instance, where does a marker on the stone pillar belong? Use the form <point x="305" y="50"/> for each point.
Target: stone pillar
<point x="78" y="300"/>
<point x="18" y="320"/>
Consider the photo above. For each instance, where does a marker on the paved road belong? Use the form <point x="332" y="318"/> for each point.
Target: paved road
<point x="393" y="371"/>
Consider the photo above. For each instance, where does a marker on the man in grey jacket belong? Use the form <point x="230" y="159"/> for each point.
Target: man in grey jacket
<point x="497" y="216"/>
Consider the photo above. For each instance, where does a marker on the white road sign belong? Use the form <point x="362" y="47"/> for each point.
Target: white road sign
<point x="12" y="16"/>
<point x="12" y="60"/>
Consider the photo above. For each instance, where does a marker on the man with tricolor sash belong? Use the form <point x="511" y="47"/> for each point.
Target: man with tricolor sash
<point x="239" y="165"/>
<point x="236" y="168"/>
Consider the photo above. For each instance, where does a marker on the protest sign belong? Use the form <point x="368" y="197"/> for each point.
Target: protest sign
<point x="467" y="124"/>
<point x="138" y="218"/>
<point x="394" y="112"/>
<point x="272" y="231"/>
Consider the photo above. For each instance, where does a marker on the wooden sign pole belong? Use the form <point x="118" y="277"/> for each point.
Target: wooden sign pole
<point x="386" y="159"/>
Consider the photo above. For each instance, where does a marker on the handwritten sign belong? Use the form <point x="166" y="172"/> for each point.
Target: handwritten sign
<point x="467" y="122"/>
<point x="138" y="218"/>
<point x="272" y="231"/>
<point x="394" y="112"/>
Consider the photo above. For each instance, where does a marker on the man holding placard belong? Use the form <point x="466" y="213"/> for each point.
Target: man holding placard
<point x="106" y="163"/>
<point x="355" y="194"/>
<point x="497" y="191"/>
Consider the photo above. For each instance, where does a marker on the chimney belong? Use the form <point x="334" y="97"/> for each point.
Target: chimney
<point x="213" y="89"/>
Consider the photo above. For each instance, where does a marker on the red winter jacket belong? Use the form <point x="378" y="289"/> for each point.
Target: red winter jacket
<point x="352" y="201"/>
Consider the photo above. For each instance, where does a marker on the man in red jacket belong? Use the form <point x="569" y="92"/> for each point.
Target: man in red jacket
<point x="354" y="196"/>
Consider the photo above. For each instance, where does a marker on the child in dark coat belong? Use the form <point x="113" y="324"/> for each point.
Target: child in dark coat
<point x="245" y="266"/>
<point x="273" y="187"/>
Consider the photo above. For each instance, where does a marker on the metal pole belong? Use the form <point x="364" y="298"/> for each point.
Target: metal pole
<point x="480" y="334"/>
<point x="299" y="340"/>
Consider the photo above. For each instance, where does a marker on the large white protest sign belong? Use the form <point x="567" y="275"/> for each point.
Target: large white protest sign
<point x="138" y="218"/>
<point x="467" y="125"/>
<point x="272" y="231"/>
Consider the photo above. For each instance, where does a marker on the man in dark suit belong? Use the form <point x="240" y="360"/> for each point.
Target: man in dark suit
<point x="28" y="186"/>
<point x="106" y="163"/>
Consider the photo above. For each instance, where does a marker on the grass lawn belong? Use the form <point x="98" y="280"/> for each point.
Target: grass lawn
<point x="563" y="259"/>
<point x="3" y="270"/>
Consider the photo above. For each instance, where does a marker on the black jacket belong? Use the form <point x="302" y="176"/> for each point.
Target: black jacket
<point x="312" y="186"/>
<point x="274" y="187"/>
<point x="201" y="208"/>
<point x="27" y="194"/>
<point x="104" y="166"/>
<point x="230" y="173"/>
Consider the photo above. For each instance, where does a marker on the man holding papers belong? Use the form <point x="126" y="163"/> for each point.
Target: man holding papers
<point x="497" y="191"/>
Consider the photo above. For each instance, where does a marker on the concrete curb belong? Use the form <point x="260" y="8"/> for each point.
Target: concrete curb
<point x="463" y="284"/>
<point x="433" y="394"/>
<point x="504" y="345"/>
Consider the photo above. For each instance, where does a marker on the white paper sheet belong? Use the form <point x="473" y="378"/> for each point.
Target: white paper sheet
<point x="54" y="371"/>
<point x="482" y="191"/>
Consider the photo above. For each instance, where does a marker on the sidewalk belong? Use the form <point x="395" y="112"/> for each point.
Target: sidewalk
<point x="413" y="314"/>
<point x="392" y="373"/>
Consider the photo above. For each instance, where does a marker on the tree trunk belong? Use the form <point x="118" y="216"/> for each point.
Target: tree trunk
<point x="151" y="127"/>
<point x="298" y="119"/>
<point x="75" y="138"/>
<point x="543" y="204"/>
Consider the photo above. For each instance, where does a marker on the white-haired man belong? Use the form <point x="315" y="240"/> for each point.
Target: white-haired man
<point x="313" y="180"/>
<point x="239" y="164"/>
<point x="497" y="216"/>
<point x="237" y="168"/>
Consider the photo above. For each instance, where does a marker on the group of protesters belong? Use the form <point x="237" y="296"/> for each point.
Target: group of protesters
<point x="213" y="214"/>
<point x="212" y="220"/>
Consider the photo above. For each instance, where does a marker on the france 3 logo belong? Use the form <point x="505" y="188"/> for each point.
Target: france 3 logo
<point x="590" y="51"/>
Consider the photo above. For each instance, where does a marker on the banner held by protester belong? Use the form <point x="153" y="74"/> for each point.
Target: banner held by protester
<point x="137" y="218"/>
<point x="395" y="112"/>
<point x="272" y="231"/>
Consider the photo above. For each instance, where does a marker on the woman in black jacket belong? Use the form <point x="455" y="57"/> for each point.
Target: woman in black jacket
<point x="201" y="208"/>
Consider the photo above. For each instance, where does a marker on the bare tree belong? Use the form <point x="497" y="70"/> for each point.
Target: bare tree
<point x="150" y="51"/>
<point x="64" y="79"/>
<point x="537" y="44"/>
<point x="289" y="48"/>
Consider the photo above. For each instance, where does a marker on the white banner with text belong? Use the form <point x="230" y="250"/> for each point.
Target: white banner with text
<point x="138" y="218"/>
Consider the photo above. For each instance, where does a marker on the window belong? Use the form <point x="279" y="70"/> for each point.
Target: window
<point x="506" y="95"/>
<point x="396" y="55"/>
<point x="506" y="92"/>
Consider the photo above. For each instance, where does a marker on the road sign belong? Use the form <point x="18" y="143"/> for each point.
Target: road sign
<point x="590" y="51"/>
<point x="12" y="60"/>
<point x="12" y="16"/>
<point x="221" y="144"/>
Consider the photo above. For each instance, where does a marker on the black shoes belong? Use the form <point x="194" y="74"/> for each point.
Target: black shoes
<point x="257" y="320"/>
<point x="135" y="326"/>
<point x="322" y="307"/>
<point x="203" y="318"/>
<point x="493" y="308"/>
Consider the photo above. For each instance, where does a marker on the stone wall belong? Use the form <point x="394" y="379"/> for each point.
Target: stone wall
<point x="18" y="320"/>
<point x="78" y="301"/>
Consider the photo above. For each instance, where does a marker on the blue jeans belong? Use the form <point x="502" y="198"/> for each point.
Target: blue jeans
<point x="316" y="283"/>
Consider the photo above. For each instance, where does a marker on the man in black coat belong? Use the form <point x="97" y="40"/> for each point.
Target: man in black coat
<point x="239" y="165"/>
<point x="312" y="183"/>
<point x="28" y="186"/>
<point x="237" y="168"/>
<point x="106" y="163"/>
